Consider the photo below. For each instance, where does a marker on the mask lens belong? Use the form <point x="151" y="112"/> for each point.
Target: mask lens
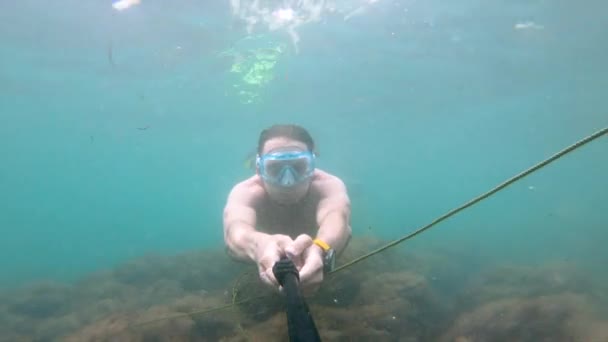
<point x="300" y="166"/>
<point x="273" y="168"/>
<point x="297" y="166"/>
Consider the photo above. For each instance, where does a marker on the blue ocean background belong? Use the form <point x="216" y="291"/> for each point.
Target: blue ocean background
<point x="121" y="133"/>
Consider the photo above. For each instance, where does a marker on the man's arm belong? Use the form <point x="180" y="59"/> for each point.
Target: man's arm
<point x="240" y="235"/>
<point x="333" y="215"/>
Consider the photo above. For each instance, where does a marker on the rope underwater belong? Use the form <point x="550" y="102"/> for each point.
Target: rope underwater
<point x="480" y="197"/>
<point x="393" y="243"/>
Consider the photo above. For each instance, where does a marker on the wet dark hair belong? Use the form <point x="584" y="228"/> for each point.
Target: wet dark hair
<point x="294" y="132"/>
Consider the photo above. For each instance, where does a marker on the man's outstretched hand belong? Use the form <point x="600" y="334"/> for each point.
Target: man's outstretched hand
<point x="306" y="256"/>
<point x="270" y="249"/>
<point x="308" y="259"/>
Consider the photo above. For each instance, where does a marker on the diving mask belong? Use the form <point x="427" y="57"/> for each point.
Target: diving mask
<point x="287" y="168"/>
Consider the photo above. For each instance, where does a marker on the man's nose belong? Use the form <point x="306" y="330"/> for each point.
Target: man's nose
<point x="287" y="177"/>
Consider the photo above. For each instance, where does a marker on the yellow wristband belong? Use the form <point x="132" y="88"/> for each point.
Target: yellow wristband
<point x="322" y="244"/>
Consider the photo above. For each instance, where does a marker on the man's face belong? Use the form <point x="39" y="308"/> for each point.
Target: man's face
<point x="284" y="170"/>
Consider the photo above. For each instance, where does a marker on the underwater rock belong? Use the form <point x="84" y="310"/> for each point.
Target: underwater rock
<point x="143" y="271"/>
<point x="50" y="329"/>
<point x="272" y="329"/>
<point x="387" y="306"/>
<point x="41" y="301"/>
<point x="250" y="286"/>
<point x="110" y="329"/>
<point x="508" y="281"/>
<point x="194" y="271"/>
<point x="105" y="286"/>
<point x="339" y="290"/>
<point x="163" y="289"/>
<point x="544" y="318"/>
<point x="392" y="296"/>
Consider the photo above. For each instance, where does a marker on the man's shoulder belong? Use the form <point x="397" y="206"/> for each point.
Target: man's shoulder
<point x="327" y="181"/>
<point x="250" y="187"/>
<point x="325" y="176"/>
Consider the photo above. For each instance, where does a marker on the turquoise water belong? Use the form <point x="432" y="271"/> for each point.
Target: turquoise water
<point x="122" y="132"/>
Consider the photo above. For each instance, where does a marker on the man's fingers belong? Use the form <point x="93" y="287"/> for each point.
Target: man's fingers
<point x="312" y="270"/>
<point x="309" y="272"/>
<point x="273" y="253"/>
<point x="282" y="241"/>
<point x="268" y="278"/>
<point x="298" y="246"/>
<point x="265" y="267"/>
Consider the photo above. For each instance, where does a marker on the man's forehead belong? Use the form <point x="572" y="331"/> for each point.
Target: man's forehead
<point x="283" y="144"/>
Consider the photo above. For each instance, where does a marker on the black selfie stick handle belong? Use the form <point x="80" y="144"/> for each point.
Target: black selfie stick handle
<point x="300" y="324"/>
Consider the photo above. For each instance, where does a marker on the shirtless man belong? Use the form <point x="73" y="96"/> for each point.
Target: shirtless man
<point x="288" y="208"/>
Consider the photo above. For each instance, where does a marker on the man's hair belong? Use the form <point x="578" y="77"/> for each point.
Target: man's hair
<point x="294" y="132"/>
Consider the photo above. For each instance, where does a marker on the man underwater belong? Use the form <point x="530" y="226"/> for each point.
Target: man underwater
<point x="288" y="208"/>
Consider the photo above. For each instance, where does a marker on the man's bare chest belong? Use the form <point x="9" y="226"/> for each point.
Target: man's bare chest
<point x="289" y="220"/>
